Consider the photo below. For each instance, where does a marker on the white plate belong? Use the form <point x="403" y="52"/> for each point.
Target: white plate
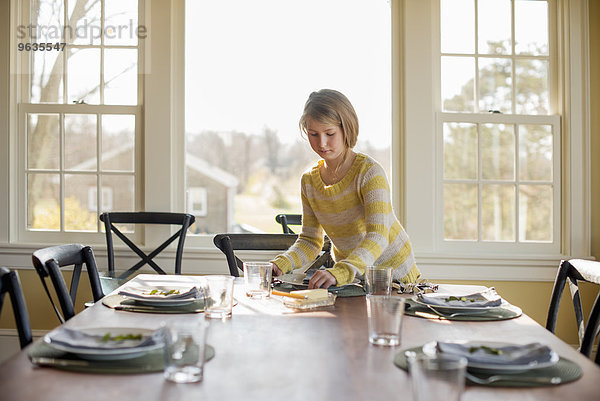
<point x="454" y="309"/>
<point x="431" y="349"/>
<point x="107" y="354"/>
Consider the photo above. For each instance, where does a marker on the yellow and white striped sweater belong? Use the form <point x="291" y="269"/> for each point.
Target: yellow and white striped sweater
<point x="356" y="214"/>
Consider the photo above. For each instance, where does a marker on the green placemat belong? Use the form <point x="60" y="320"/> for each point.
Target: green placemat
<point x="506" y="312"/>
<point x="120" y="302"/>
<point x="152" y="361"/>
<point x="566" y="369"/>
<point x="347" y="291"/>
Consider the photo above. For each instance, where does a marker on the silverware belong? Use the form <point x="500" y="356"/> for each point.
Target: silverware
<point x="44" y="361"/>
<point x="473" y="313"/>
<point x="512" y="378"/>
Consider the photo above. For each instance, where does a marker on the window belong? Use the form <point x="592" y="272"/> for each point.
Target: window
<point x="495" y="115"/>
<point x="499" y="143"/>
<point x="246" y="81"/>
<point x="79" y="113"/>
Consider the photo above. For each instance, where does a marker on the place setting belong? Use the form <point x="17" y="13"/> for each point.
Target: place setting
<point x="462" y="303"/>
<point x="491" y="363"/>
<point x="177" y="346"/>
<point x="158" y="295"/>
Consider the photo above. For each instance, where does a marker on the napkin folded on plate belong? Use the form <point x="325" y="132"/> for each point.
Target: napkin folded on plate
<point x="107" y="340"/>
<point x="483" y="353"/>
<point x="488" y="297"/>
<point x="160" y="292"/>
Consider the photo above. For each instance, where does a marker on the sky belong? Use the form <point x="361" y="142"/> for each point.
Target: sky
<point x="252" y="64"/>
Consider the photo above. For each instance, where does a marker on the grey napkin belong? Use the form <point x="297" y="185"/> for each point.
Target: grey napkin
<point x="160" y="293"/>
<point x="79" y="339"/>
<point x="486" y="298"/>
<point x="502" y="355"/>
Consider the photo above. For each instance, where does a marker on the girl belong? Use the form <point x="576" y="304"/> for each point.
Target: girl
<point x="346" y="195"/>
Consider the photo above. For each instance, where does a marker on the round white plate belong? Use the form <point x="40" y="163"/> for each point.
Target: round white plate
<point x="454" y="309"/>
<point x="431" y="349"/>
<point x="111" y="353"/>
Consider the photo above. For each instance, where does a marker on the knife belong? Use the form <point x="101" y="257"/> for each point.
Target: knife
<point x="44" y="361"/>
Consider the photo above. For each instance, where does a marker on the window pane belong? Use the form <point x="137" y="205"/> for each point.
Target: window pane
<point x="457" y="22"/>
<point x="243" y="106"/>
<point x="532" y="87"/>
<point x="118" y="142"/>
<point x="80" y="142"/>
<point x="535" y="213"/>
<point x="494" y="23"/>
<point x="84" y="22"/>
<point x="43" y="202"/>
<point x="121" y="22"/>
<point x="120" y="76"/>
<point x="535" y="152"/>
<point x="118" y="193"/>
<point x="460" y="211"/>
<point x="83" y="76"/>
<point x="531" y="27"/>
<point x="495" y="82"/>
<point x="498" y="212"/>
<point x="43" y="141"/>
<point x="497" y="152"/>
<point x="458" y="84"/>
<point x="80" y="215"/>
<point x="460" y="151"/>
<point x="47" y="77"/>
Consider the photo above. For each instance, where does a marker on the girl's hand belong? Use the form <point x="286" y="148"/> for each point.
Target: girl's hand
<point x="322" y="279"/>
<point x="276" y="270"/>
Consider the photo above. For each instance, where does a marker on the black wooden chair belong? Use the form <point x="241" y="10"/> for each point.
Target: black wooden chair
<point x="9" y="283"/>
<point x="48" y="263"/>
<point x="112" y="219"/>
<point x="571" y="272"/>
<point x="229" y="243"/>
<point x="287" y="220"/>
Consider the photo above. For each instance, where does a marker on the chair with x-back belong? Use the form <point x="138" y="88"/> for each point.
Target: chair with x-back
<point x="571" y="272"/>
<point x="48" y="262"/>
<point x="113" y="219"/>
<point x="9" y="283"/>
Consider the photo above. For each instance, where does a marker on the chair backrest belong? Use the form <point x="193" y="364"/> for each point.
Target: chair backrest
<point x="110" y="219"/>
<point x="229" y="243"/>
<point x="286" y="220"/>
<point x="48" y="263"/>
<point x="570" y="272"/>
<point x="9" y="283"/>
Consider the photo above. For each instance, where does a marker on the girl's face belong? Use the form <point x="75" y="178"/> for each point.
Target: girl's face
<point x="326" y="140"/>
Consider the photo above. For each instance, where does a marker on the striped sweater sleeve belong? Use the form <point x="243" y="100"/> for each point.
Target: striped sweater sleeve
<point x="309" y="243"/>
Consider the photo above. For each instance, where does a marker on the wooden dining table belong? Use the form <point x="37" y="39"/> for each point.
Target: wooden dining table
<point x="266" y="351"/>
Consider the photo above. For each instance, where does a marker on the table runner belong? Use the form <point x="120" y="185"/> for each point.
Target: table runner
<point x="120" y="302"/>
<point x="566" y="369"/>
<point x="152" y="361"/>
<point x="503" y="313"/>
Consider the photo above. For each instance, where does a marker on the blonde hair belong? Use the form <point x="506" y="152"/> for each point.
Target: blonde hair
<point x="329" y="106"/>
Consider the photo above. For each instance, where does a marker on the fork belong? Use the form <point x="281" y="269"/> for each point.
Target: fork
<point x="513" y="378"/>
<point x="459" y="313"/>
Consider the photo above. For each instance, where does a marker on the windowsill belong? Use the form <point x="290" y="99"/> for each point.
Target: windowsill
<point x="209" y="260"/>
